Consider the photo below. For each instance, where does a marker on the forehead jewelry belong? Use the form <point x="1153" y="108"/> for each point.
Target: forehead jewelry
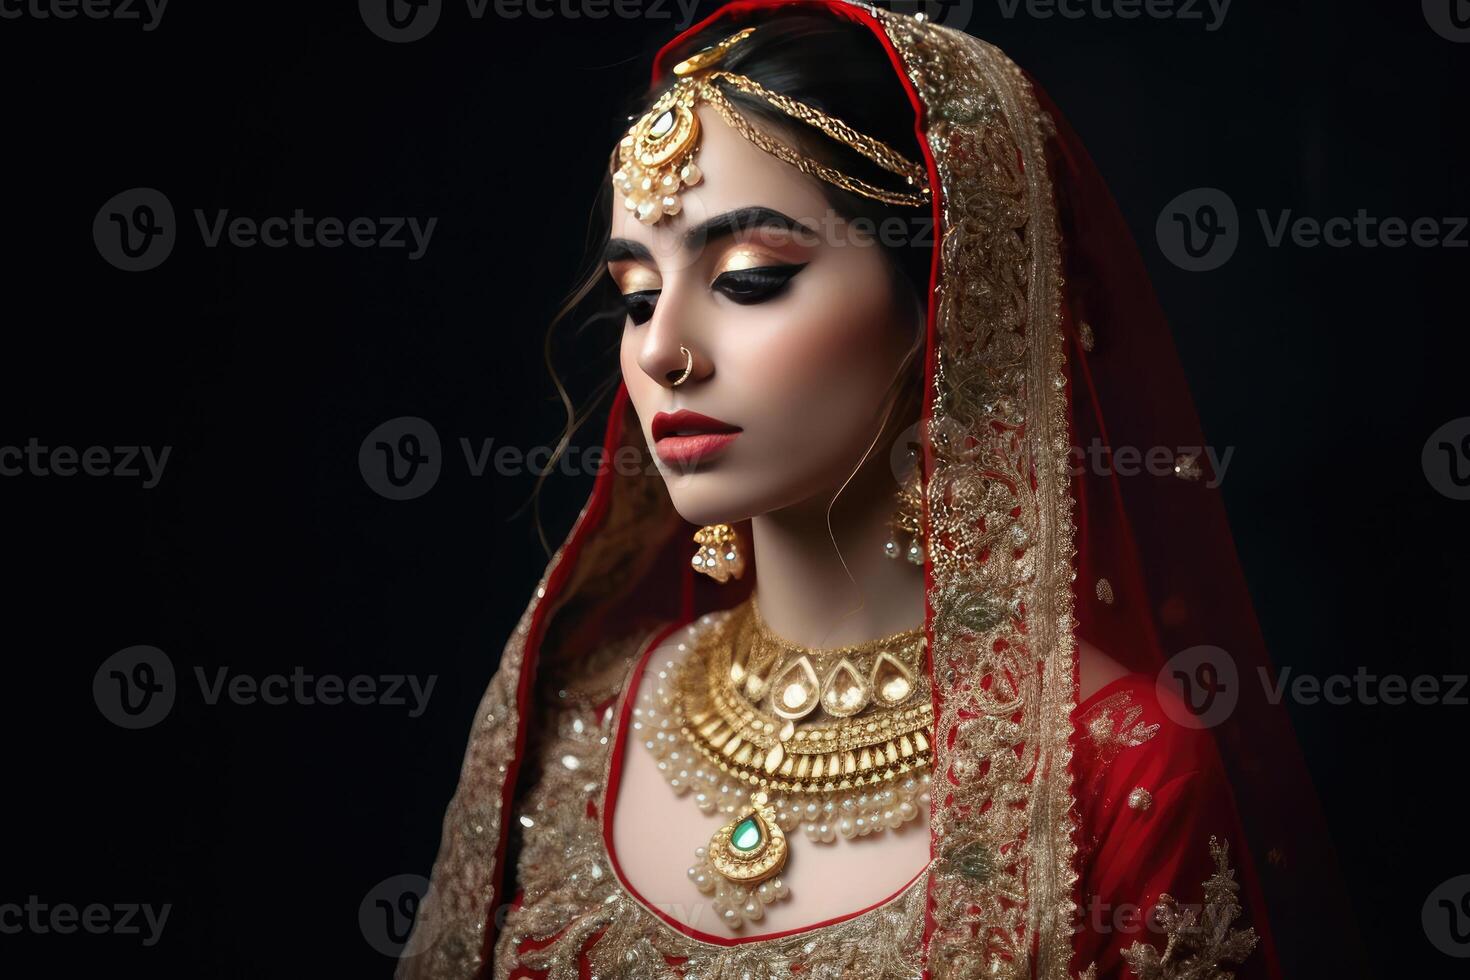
<point x="655" y="160"/>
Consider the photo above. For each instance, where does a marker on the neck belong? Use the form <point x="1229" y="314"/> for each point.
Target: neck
<point x="822" y="587"/>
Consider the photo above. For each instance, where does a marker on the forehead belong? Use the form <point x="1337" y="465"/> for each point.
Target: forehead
<point x="737" y="174"/>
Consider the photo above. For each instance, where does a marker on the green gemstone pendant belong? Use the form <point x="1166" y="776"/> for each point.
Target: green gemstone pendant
<point x="750" y="848"/>
<point x="747" y="837"/>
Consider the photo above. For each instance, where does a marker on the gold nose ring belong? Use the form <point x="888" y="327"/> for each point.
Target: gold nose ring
<point x="688" y="366"/>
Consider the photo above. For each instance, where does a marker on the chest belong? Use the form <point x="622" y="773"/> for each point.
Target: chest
<point x="656" y="830"/>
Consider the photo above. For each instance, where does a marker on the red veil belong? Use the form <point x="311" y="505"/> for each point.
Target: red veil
<point x="1070" y="494"/>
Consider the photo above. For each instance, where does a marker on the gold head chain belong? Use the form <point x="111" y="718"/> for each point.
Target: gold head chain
<point x="656" y="157"/>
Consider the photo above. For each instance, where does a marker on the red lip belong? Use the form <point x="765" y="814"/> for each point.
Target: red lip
<point x="683" y="438"/>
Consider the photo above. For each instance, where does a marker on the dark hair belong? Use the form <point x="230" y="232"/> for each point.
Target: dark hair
<point x="826" y="62"/>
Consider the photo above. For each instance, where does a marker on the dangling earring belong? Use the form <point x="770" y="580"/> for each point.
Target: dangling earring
<point x="719" y="554"/>
<point x="907" y="524"/>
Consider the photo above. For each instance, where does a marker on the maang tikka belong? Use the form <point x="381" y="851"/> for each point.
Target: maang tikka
<point x="654" y="162"/>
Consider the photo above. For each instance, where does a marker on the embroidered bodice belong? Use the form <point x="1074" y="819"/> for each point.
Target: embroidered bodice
<point x="1149" y="799"/>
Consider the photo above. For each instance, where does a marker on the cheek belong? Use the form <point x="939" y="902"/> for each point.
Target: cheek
<point x="821" y="369"/>
<point x="641" y="387"/>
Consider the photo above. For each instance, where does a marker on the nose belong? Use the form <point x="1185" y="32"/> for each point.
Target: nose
<point x="670" y="355"/>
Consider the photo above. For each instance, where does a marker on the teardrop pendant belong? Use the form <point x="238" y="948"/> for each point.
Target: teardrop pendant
<point x="795" y="690"/>
<point x="752" y="847"/>
<point x="844" y="691"/>
<point x="891" y="681"/>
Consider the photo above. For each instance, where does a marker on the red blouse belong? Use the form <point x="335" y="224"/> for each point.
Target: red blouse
<point x="1151" y="793"/>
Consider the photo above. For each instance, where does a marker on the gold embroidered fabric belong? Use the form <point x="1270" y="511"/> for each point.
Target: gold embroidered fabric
<point x="1113" y="725"/>
<point x="998" y="521"/>
<point x="1199" y="942"/>
<point x="571" y="897"/>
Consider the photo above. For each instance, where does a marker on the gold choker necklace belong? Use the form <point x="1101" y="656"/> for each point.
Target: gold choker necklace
<point x="778" y="736"/>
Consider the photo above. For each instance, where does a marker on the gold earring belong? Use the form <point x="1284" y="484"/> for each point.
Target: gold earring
<point x="908" y="520"/>
<point x="719" y="554"/>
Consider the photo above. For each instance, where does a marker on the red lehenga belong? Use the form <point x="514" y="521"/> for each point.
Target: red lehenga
<point x="1151" y="830"/>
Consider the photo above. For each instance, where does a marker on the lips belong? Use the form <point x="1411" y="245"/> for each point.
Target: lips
<point x="684" y="438"/>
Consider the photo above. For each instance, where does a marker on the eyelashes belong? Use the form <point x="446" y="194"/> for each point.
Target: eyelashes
<point x="746" y="287"/>
<point x="640" y="304"/>
<point x="750" y="286"/>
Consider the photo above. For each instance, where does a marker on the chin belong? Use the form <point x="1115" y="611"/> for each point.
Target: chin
<point x="707" y="505"/>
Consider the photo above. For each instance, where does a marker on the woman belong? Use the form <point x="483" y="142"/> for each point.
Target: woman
<point x="939" y="692"/>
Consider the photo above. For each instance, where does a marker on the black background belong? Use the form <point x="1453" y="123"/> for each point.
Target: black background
<point x="263" y="550"/>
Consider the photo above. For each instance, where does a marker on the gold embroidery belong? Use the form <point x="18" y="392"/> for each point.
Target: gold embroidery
<point x="449" y="930"/>
<point x="1140" y="798"/>
<point x="1199" y="942"/>
<point x="572" y="901"/>
<point x="999" y="522"/>
<point x="1105" y="591"/>
<point x="1113" y="725"/>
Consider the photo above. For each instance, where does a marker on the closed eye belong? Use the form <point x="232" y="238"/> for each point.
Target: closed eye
<point x="757" y="285"/>
<point x="640" y="304"/>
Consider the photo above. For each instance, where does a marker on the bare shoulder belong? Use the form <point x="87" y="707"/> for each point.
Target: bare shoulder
<point x="1096" y="670"/>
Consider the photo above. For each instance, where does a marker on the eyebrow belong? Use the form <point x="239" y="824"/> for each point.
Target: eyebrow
<point x="720" y="226"/>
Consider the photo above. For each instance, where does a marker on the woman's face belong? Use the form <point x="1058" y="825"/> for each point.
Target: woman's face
<point x="793" y="322"/>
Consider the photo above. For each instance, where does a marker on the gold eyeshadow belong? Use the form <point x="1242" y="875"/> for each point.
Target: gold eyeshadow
<point x="740" y="259"/>
<point x="634" y="278"/>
